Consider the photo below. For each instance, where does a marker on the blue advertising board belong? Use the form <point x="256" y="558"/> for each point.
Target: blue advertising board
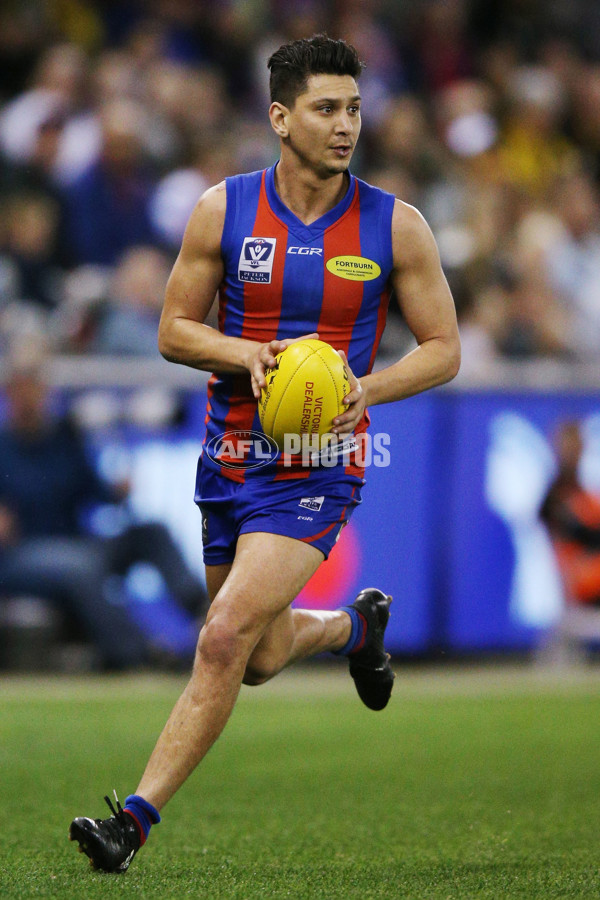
<point x="502" y="589"/>
<point x="449" y="527"/>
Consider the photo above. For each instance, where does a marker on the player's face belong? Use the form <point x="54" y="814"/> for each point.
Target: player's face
<point x="324" y="124"/>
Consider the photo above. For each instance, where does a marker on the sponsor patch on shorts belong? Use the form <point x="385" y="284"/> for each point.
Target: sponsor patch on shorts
<point x="314" y="503"/>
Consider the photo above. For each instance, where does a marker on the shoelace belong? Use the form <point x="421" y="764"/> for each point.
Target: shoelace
<point x="118" y="812"/>
<point x="118" y="822"/>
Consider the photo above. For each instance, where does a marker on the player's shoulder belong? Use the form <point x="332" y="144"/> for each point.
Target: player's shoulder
<point x="246" y="178"/>
<point x="207" y="221"/>
<point x="205" y="225"/>
<point x="413" y="243"/>
<point x="215" y="199"/>
<point x="372" y="192"/>
<point x="410" y="230"/>
<point x="409" y="227"/>
<point x="404" y="215"/>
<point x="407" y="217"/>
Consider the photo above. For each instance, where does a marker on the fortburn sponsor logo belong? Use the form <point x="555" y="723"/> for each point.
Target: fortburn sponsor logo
<point x="354" y="268"/>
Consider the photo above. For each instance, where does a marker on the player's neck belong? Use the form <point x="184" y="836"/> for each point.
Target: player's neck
<point x="306" y="195"/>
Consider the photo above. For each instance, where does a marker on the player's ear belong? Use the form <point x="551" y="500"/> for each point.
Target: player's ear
<point x="278" y="114"/>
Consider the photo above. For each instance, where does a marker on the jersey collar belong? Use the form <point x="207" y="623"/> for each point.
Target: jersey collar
<point x="292" y="221"/>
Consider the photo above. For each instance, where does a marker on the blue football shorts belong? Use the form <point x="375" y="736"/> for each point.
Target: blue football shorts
<point x="313" y="510"/>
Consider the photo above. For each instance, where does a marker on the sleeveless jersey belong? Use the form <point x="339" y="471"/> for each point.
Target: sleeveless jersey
<point x="285" y="279"/>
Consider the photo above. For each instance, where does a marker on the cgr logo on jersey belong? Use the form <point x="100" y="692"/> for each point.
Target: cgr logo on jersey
<point x="353" y="268"/>
<point x="256" y="259"/>
<point x="305" y="251"/>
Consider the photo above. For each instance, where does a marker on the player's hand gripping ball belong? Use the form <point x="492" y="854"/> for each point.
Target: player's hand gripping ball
<point x="304" y="392"/>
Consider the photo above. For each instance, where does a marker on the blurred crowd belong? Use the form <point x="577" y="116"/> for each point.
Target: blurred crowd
<point x="115" y="116"/>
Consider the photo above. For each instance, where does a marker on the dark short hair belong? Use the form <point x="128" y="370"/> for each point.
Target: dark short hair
<point x="294" y="62"/>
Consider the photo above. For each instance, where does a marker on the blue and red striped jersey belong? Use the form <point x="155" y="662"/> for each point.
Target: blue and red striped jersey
<point x="285" y="279"/>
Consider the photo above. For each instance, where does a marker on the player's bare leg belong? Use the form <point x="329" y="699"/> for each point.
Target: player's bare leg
<point x="250" y="634"/>
<point x="299" y="633"/>
<point x="296" y="634"/>
<point x="254" y="593"/>
<point x="293" y="635"/>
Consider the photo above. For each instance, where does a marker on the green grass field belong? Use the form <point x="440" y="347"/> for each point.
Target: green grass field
<point x="472" y="784"/>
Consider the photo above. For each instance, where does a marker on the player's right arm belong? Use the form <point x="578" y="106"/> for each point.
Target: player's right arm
<point x="198" y="271"/>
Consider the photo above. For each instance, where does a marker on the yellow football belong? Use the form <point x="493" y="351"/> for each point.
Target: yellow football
<point x="304" y="391"/>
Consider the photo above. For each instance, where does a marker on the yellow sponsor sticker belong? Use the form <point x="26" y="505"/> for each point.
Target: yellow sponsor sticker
<point x="354" y="268"/>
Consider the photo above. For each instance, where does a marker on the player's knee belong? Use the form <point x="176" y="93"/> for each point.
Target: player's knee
<point x="222" y="642"/>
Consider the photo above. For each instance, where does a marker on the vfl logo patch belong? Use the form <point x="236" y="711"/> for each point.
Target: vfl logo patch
<point x="353" y="268"/>
<point x="256" y="259"/>
<point x="314" y="503"/>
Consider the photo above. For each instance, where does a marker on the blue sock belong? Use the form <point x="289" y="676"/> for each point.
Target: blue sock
<point x="357" y="633"/>
<point x="144" y="814"/>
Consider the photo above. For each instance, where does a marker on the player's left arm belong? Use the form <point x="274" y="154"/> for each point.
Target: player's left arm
<point x="427" y="306"/>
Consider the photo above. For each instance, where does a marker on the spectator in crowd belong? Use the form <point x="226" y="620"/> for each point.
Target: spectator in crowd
<point x="128" y="321"/>
<point x="59" y="91"/>
<point x="36" y="171"/>
<point x="483" y="116"/>
<point x="573" y="261"/>
<point x="31" y="251"/>
<point x="32" y="272"/>
<point x="383" y="76"/>
<point x="107" y="205"/>
<point x="534" y="151"/>
<point x="186" y="105"/>
<point x="523" y="317"/>
<point x="584" y="82"/>
<point x="572" y="515"/>
<point x="406" y="140"/>
<point x="445" y="50"/>
<point x="46" y="485"/>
